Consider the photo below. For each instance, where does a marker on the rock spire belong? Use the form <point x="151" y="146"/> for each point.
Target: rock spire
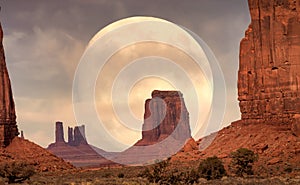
<point x="8" y="125"/>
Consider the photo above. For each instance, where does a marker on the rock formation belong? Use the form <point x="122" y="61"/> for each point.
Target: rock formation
<point x="8" y="125"/>
<point x="70" y="136"/>
<point x="76" y="136"/>
<point x="77" y="150"/>
<point x="13" y="148"/>
<point x="269" y="70"/>
<point x="22" y="135"/>
<point x="165" y="112"/>
<point x="59" y="132"/>
<point x="166" y="129"/>
<point x="23" y="150"/>
<point x="79" y="136"/>
<point x="268" y="91"/>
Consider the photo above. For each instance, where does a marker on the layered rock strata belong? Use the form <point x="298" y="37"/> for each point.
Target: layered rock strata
<point x="77" y="150"/>
<point x="165" y="115"/>
<point x="8" y="124"/>
<point x="166" y="129"/>
<point x="269" y="92"/>
<point x="269" y="70"/>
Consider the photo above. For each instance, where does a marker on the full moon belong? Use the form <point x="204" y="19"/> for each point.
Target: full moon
<point x="123" y="63"/>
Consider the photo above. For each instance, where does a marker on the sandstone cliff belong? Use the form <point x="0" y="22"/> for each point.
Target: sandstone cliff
<point x="269" y="70"/>
<point x="166" y="128"/>
<point x="13" y="148"/>
<point x="268" y="91"/>
<point x="165" y="115"/>
<point x="8" y="125"/>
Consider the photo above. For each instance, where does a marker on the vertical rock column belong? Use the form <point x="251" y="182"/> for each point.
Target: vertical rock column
<point x="70" y="136"/>
<point x="59" y="132"/>
<point x="8" y="125"/>
<point x="269" y="70"/>
<point x="79" y="135"/>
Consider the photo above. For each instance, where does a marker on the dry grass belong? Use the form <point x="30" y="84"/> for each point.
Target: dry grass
<point x="111" y="176"/>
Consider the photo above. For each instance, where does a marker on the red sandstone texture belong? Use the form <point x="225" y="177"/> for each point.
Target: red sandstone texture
<point x="42" y="160"/>
<point x="165" y="115"/>
<point x="77" y="150"/>
<point x="269" y="90"/>
<point x="8" y="125"/>
<point x="13" y="148"/>
<point x="269" y="70"/>
<point x="166" y="128"/>
<point x="278" y="149"/>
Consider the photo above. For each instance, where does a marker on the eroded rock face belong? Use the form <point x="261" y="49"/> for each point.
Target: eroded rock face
<point x="59" y="132"/>
<point x="269" y="70"/>
<point x="296" y="127"/>
<point x="76" y="135"/>
<point x="8" y="125"/>
<point x="165" y="115"/>
<point x="77" y="150"/>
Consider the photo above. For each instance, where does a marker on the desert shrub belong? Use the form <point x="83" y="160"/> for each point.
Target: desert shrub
<point x="121" y="175"/>
<point x="190" y="177"/>
<point x="211" y="168"/>
<point x="107" y="175"/>
<point x="16" y="171"/>
<point x="164" y="173"/>
<point x="157" y="172"/>
<point x="288" y="169"/>
<point x="242" y="160"/>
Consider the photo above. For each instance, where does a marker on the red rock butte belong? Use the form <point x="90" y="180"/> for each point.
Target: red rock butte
<point x="164" y="112"/>
<point x="166" y="128"/>
<point x="8" y="124"/>
<point x="76" y="135"/>
<point x="269" y="70"/>
<point x="77" y="150"/>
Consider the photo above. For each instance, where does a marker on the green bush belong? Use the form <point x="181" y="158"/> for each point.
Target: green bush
<point x="242" y="160"/>
<point x="211" y="168"/>
<point x="16" y="172"/>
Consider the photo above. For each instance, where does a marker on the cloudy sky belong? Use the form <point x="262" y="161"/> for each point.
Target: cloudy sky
<point x="44" y="41"/>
